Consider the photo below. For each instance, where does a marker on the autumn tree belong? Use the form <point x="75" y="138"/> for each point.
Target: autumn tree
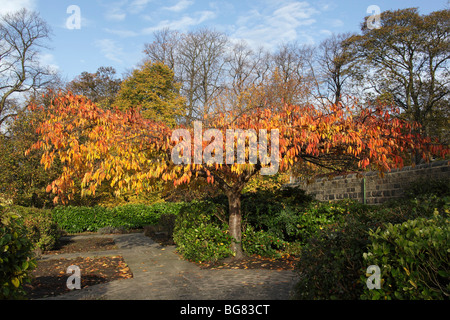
<point x="129" y="152"/>
<point x="22" y="34"/>
<point x="152" y="89"/>
<point x="23" y="178"/>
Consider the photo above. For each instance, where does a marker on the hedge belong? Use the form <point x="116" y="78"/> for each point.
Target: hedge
<point x="81" y="219"/>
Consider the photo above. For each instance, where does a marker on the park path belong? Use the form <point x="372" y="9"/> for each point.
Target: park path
<point x="160" y="274"/>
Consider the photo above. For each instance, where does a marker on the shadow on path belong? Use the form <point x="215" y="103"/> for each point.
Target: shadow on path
<point x="160" y="274"/>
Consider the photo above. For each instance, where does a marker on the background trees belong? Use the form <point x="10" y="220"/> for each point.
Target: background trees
<point x="22" y="34"/>
<point x="334" y="68"/>
<point x="100" y="87"/>
<point x="197" y="59"/>
<point x="22" y="178"/>
<point x="406" y="61"/>
<point x="152" y="89"/>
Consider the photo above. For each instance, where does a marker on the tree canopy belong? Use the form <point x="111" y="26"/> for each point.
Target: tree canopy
<point x="152" y="89"/>
<point x="130" y="152"/>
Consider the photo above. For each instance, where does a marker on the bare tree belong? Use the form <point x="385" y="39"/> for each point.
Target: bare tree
<point x="335" y="68"/>
<point x="164" y="48"/>
<point x="291" y="78"/>
<point x="202" y="66"/>
<point x="197" y="59"/>
<point x="22" y="34"/>
<point x="244" y="72"/>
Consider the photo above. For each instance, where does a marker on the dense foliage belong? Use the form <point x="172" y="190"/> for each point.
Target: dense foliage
<point x="201" y="232"/>
<point x="16" y="260"/>
<point x="414" y="260"/>
<point x="80" y="219"/>
<point x="332" y="265"/>
<point x="42" y="230"/>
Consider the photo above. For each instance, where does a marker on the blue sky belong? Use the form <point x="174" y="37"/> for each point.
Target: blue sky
<point x="113" y="33"/>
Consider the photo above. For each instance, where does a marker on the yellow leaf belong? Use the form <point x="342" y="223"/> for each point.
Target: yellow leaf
<point x="15" y="282"/>
<point x="407" y="271"/>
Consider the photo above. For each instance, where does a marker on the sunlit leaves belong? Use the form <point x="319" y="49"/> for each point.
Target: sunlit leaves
<point x="131" y="153"/>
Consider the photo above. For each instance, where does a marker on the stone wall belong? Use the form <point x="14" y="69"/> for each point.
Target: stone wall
<point x="377" y="189"/>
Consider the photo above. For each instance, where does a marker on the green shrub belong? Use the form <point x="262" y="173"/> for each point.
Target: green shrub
<point x="206" y="243"/>
<point x="16" y="260"/>
<point x="131" y="216"/>
<point x="423" y="187"/>
<point x="318" y="215"/>
<point x="201" y="233"/>
<point x="80" y="219"/>
<point x="261" y="243"/>
<point x="290" y="214"/>
<point x="331" y="262"/>
<point x="414" y="260"/>
<point x="42" y="230"/>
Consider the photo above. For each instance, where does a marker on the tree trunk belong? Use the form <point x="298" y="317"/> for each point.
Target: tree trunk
<point x="235" y="223"/>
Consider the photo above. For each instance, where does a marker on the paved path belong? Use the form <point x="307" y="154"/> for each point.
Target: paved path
<point x="160" y="274"/>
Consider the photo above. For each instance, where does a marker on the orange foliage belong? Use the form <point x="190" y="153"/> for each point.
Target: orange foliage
<point x="129" y="152"/>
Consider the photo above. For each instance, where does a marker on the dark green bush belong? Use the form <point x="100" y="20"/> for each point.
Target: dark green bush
<point x="42" y="231"/>
<point x="423" y="187"/>
<point x="16" y="260"/>
<point x="167" y="222"/>
<point x="277" y="212"/>
<point x="331" y="262"/>
<point x="201" y="233"/>
<point x="261" y="243"/>
<point x="318" y="215"/>
<point x="414" y="260"/>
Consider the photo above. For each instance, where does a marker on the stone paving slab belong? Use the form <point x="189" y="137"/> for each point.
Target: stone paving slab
<point x="160" y="274"/>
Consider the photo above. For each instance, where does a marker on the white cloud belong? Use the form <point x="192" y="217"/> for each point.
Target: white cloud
<point x="278" y="22"/>
<point x="122" y="33"/>
<point x="336" y="23"/>
<point x="110" y="50"/>
<point x="180" y="6"/>
<point x="137" y="6"/>
<point x="182" y="24"/>
<point x="48" y="60"/>
<point x="327" y="5"/>
<point x="116" y="16"/>
<point x="115" y="11"/>
<point x="326" y="32"/>
<point x="118" y="11"/>
<point x="8" y="6"/>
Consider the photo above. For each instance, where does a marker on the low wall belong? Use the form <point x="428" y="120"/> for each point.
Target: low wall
<point x="377" y="189"/>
